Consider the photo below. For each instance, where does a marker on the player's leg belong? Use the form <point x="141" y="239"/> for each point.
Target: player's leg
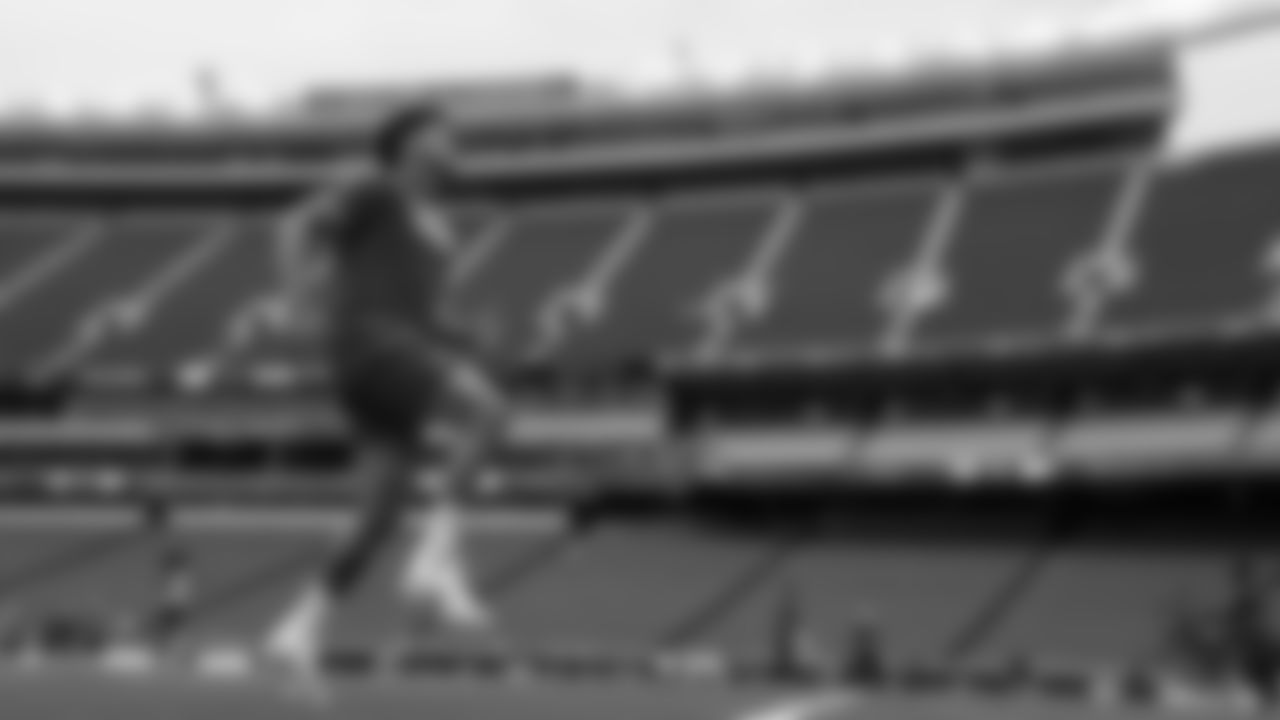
<point x="386" y="468"/>
<point x="436" y="573"/>
<point x="301" y="632"/>
<point x="437" y="568"/>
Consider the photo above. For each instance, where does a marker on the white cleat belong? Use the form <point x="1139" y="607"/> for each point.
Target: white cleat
<point x="294" y="648"/>
<point x="445" y="588"/>
<point x="437" y="576"/>
<point x="461" y="609"/>
<point x="302" y="674"/>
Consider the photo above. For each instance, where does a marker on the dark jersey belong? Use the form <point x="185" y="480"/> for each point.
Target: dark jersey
<point x="384" y="270"/>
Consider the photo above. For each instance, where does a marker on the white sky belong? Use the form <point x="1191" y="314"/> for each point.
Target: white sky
<point x="67" y="52"/>
<point x="118" y="54"/>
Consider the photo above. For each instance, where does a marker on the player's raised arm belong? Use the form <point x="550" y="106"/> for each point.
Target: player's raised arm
<point x="300" y="235"/>
<point x="301" y="247"/>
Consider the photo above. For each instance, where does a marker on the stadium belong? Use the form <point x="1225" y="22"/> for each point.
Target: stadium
<point x="945" y="391"/>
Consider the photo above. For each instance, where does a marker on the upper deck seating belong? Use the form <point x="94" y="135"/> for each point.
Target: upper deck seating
<point x="85" y="271"/>
<point x="656" y="305"/>
<point x="827" y="288"/>
<point x="192" y="314"/>
<point x="601" y="280"/>
<point x="539" y="253"/>
<point x="1007" y="266"/>
<point x="1204" y="251"/>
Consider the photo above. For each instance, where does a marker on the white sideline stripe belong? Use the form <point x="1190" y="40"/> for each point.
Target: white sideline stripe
<point x="233" y="520"/>
<point x="814" y="706"/>
<point x="35" y="274"/>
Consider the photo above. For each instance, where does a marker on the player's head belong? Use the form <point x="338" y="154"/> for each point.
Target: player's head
<point x="417" y="135"/>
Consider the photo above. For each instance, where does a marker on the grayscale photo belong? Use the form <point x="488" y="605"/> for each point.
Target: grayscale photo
<point x="639" y="359"/>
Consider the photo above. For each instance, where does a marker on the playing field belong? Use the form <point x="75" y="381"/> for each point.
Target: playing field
<point x="78" y="695"/>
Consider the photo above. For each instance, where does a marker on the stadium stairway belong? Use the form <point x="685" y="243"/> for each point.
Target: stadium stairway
<point x="110" y="261"/>
<point x="1041" y="221"/>
<point x="659" y="300"/>
<point x="188" y="313"/>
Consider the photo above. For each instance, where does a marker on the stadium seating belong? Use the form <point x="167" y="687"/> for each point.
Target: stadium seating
<point x="659" y="301"/>
<point x="1006" y="266"/>
<point x="102" y="264"/>
<point x="153" y="289"/>
<point x="195" y="312"/>
<point x="782" y="372"/>
<point x="1204" y="252"/>
<point x="643" y="589"/>
<point x="830" y="284"/>
<point x="541" y="252"/>
<point x="918" y="606"/>
<point x="1090" y="605"/>
<point x="34" y="251"/>
<point x="610" y="571"/>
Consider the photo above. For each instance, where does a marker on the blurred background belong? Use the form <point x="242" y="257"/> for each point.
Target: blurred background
<point x="899" y="344"/>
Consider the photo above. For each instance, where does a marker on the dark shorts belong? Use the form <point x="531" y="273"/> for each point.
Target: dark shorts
<point x="387" y="397"/>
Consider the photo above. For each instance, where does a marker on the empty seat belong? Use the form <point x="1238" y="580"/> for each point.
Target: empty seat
<point x="107" y="267"/>
<point x="193" y="317"/>
<point x="115" y="583"/>
<point x="1105" y="607"/>
<point x="918" y="596"/>
<point x="239" y="579"/>
<point x="826" y="291"/>
<point x="540" y="253"/>
<point x="30" y="554"/>
<point x="692" y="247"/>
<point x="243" y="578"/>
<point x="626" y="589"/>
<point x="22" y="241"/>
<point x="1007" y="264"/>
<point x="1201" y="251"/>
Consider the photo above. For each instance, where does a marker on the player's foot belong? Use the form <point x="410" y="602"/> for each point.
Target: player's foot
<point x="449" y="594"/>
<point x="444" y="587"/>
<point x="298" y="669"/>
<point x="295" y="646"/>
<point x="437" y="574"/>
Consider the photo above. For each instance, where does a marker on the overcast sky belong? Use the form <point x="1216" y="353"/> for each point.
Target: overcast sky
<point x="63" y="52"/>
<point x="116" y="54"/>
